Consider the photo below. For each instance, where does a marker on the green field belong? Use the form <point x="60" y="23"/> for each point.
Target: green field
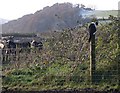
<point x="105" y="13"/>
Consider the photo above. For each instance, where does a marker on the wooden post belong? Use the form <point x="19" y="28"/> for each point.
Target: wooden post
<point x="118" y="56"/>
<point x="92" y="59"/>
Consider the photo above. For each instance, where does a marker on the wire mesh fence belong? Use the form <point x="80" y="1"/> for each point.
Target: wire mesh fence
<point x="64" y="60"/>
<point x="64" y="70"/>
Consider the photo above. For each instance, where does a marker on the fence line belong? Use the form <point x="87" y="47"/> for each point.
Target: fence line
<point x="44" y="59"/>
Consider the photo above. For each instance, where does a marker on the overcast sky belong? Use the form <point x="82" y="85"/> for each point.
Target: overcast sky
<point x="13" y="9"/>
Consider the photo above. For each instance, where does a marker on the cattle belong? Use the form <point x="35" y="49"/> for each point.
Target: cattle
<point x="2" y="49"/>
<point x="10" y="46"/>
<point x="13" y="47"/>
<point x="17" y="46"/>
<point x="22" y="46"/>
<point x="7" y="43"/>
<point x="35" y="44"/>
<point x="1" y="46"/>
<point x="7" y="48"/>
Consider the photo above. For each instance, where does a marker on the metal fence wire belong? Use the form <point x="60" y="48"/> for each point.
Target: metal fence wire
<point x="65" y="56"/>
<point x="78" y="71"/>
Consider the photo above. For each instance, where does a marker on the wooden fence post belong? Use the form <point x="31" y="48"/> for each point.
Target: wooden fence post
<point x="118" y="57"/>
<point x="92" y="59"/>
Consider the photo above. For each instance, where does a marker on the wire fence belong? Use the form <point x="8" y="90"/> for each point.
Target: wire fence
<point x="74" y="69"/>
<point x="65" y="58"/>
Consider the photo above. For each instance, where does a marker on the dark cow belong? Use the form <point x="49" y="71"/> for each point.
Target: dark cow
<point x="92" y="30"/>
<point x="11" y="44"/>
<point x="22" y="46"/>
<point x="10" y="47"/>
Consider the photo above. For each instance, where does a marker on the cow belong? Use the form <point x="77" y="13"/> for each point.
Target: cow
<point x="11" y="47"/>
<point x="7" y="48"/>
<point x="23" y="46"/>
<point x="2" y="45"/>
<point x="36" y="45"/>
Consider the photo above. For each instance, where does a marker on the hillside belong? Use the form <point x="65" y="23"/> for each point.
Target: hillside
<point x="56" y="17"/>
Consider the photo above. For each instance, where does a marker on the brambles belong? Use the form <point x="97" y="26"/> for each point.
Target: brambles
<point x="64" y="61"/>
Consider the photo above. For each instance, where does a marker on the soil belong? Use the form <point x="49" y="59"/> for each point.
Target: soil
<point x="87" y="90"/>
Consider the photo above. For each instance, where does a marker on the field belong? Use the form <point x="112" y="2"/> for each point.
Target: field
<point x="63" y="64"/>
<point x="105" y="13"/>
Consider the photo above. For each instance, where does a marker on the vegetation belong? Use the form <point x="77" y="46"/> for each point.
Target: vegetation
<point x="64" y="62"/>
